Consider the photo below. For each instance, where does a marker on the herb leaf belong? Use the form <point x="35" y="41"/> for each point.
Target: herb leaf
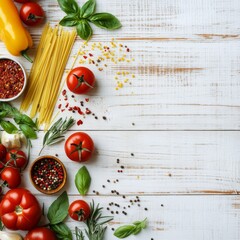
<point x="68" y="6"/>
<point x="127" y="230"/>
<point x="69" y="21"/>
<point x="62" y="231"/>
<point x="28" y="131"/>
<point x="58" y="210"/>
<point x="8" y="127"/>
<point x="105" y="21"/>
<point x="84" y="30"/>
<point x="88" y="9"/>
<point x="83" y="180"/>
<point x="56" y="131"/>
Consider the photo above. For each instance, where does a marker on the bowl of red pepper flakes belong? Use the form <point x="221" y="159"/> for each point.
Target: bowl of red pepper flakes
<point x="13" y="79"/>
<point x="48" y="174"/>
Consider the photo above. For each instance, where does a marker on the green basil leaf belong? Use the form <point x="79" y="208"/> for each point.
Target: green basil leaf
<point x="83" y="180"/>
<point x="3" y="114"/>
<point x="88" y="9"/>
<point x="124" y="231"/>
<point x="25" y="119"/>
<point x="58" y="210"/>
<point x="69" y="6"/>
<point x="8" y="127"/>
<point x="105" y="20"/>
<point x="28" y="131"/>
<point x="62" y="231"/>
<point x="84" y="30"/>
<point x="70" y="20"/>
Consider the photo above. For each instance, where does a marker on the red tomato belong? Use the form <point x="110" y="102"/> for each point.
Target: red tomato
<point x="79" y="210"/>
<point x="41" y="233"/>
<point x="3" y="152"/>
<point x="31" y="13"/>
<point x="20" y="210"/>
<point x="21" y="1"/>
<point x="15" y="158"/>
<point x="80" y="80"/>
<point x="79" y="147"/>
<point x="11" y="176"/>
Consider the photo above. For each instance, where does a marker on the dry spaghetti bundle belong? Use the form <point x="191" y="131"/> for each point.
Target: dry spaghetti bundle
<point x="47" y="71"/>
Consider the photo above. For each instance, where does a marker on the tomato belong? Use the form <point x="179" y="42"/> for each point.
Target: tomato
<point x="11" y="176"/>
<point x="79" y="147"/>
<point x="3" y="152"/>
<point x="15" y="158"/>
<point x="80" y="80"/>
<point x="41" y="233"/>
<point x="20" y="210"/>
<point x="79" y="210"/>
<point x="31" y="13"/>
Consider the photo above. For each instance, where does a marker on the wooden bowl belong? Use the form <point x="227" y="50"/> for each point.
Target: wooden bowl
<point x="44" y="160"/>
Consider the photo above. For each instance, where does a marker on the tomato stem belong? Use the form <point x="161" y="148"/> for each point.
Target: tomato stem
<point x="80" y="81"/>
<point x="79" y="149"/>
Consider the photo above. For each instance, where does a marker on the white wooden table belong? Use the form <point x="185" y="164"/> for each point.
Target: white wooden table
<point x="175" y="129"/>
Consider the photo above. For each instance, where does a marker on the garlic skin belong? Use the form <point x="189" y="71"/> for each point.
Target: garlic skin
<point x="14" y="140"/>
<point x="10" y="236"/>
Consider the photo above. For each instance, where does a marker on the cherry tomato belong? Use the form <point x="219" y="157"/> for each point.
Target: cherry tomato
<point x="15" y="158"/>
<point x="79" y="147"/>
<point x="80" y="80"/>
<point x="11" y="176"/>
<point x="20" y="210"/>
<point x="3" y="152"/>
<point x="79" y="210"/>
<point x="21" y="1"/>
<point x="41" y="233"/>
<point x="31" y="13"/>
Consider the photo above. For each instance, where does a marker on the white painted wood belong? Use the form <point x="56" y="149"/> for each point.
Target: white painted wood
<point x="187" y="78"/>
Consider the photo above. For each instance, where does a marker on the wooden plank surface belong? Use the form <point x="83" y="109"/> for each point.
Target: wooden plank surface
<point x="175" y="128"/>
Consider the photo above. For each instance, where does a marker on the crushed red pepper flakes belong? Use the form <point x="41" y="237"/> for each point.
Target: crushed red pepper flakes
<point x="11" y="78"/>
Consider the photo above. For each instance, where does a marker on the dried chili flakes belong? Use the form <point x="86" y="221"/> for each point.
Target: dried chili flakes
<point x="11" y="78"/>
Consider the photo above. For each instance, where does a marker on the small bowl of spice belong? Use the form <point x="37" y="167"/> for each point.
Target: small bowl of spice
<point x="48" y="174"/>
<point x="13" y="79"/>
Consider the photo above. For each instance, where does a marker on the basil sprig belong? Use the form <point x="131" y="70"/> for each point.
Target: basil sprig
<point x="81" y="16"/>
<point x="25" y="123"/>
<point x="57" y="213"/>
<point x="83" y="180"/>
<point x="133" y="229"/>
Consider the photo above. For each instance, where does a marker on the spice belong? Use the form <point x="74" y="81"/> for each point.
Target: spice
<point x="11" y="78"/>
<point x="47" y="174"/>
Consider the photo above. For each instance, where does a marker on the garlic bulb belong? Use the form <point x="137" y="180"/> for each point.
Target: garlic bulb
<point x="14" y="140"/>
<point x="10" y="236"/>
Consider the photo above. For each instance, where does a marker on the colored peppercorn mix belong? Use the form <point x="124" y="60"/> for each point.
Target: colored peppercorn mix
<point x="47" y="174"/>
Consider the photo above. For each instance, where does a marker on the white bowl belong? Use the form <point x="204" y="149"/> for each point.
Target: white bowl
<point x="25" y="79"/>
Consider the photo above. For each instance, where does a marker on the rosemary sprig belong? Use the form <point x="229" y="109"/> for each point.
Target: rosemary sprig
<point x="56" y="131"/>
<point x="95" y="224"/>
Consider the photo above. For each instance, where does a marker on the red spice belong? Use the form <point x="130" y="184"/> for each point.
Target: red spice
<point x="87" y="99"/>
<point x="88" y="111"/>
<point x="79" y="122"/>
<point x="66" y="105"/>
<point x="64" y="92"/>
<point x="59" y="106"/>
<point x="11" y="78"/>
<point x="91" y="55"/>
<point x="85" y="57"/>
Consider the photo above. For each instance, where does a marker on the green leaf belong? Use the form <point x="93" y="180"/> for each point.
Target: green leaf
<point x="124" y="231"/>
<point x="62" y="231"/>
<point x="134" y="229"/>
<point x="105" y="21"/>
<point x="83" y="180"/>
<point x="69" y="6"/>
<point x="70" y="20"/>
<point x="25" y="119"/>
<point x="84" y="30"/>
<point x="28" y="131"/>
<point x="88" y="9"/>
<point x="58" y="210"/>
<point x="8" y="127"/>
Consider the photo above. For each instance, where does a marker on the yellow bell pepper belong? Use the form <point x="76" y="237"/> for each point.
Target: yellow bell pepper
<point x="16" y="38"/>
